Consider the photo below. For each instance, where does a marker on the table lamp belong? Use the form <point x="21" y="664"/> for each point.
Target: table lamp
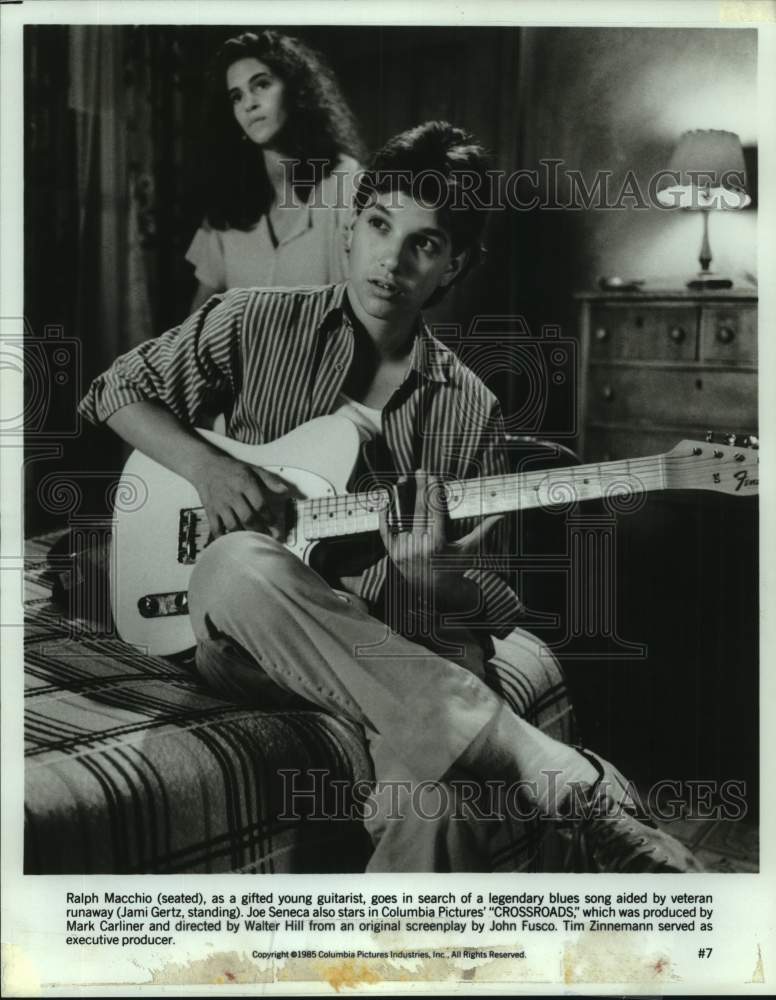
<point x="708" y="172"/>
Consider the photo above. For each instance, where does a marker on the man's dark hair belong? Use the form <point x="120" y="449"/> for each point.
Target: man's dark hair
<point x="442" y="166"/>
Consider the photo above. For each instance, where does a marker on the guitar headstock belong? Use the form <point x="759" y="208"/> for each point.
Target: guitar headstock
<point x="723" y="463"/>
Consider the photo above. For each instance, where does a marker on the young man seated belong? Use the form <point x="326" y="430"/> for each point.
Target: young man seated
<point x="270" y="629"/>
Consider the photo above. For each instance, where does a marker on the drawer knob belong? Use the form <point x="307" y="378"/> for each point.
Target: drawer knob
<point x="607" y="392"/>
<point x="726" y="335"/>
<point x="677" y="334"/>
<point x="601" y="333"/>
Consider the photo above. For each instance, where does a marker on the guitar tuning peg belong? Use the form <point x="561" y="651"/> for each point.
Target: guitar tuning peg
<point x="746" y="441"/>
<point x="719" y="437"/>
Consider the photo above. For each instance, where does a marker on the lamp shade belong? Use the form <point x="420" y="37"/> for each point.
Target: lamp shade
<point x="706" y="171"/>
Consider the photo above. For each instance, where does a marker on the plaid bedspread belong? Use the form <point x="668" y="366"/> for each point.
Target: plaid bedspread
<point x="132" y="766"/>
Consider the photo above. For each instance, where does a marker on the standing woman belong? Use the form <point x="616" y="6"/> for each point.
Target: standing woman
<point x="280" y="163"/>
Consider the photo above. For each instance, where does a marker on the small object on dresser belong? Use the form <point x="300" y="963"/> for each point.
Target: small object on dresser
<point x="617" y="284"/>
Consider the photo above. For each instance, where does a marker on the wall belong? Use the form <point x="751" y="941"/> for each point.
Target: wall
<point x="618" y="100"/>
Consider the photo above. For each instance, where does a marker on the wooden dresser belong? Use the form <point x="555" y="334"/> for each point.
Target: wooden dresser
<point x="659" y="366"/>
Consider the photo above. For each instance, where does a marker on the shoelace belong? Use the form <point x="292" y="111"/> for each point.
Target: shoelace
<point x="611" y="795"/>
<point x="620" y="844"/>
<point x="612" y="833"/>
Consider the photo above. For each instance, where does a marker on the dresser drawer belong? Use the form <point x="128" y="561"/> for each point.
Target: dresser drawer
<point x="729" y="334"/>
<point x="669" y="398"/>
<point x="649" y="332"/>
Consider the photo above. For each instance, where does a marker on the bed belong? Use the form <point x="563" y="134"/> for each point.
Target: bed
<point x="132" y="766"/>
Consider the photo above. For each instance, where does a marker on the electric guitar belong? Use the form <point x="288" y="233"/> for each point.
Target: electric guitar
<point x="160" y="527"/>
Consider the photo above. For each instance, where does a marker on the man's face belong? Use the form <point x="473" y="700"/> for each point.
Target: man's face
<point x="399" y="255"/>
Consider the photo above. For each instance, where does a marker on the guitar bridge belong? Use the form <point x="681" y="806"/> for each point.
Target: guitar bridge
<point x="190" y="534"/>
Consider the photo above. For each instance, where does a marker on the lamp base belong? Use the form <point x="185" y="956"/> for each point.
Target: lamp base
<point x="708" y="282"/>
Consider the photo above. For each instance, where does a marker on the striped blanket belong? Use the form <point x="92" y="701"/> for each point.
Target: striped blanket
<point x="132" y="766"/>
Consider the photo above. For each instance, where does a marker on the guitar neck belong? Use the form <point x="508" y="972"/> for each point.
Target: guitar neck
<point x="351" y="514"/>
<point x="551" y="487"/>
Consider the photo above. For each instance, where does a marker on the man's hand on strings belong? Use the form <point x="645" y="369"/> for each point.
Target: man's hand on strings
<point x="423" y="535"/>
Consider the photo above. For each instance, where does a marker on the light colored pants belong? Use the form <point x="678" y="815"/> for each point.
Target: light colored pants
<point x="270" y="630"/>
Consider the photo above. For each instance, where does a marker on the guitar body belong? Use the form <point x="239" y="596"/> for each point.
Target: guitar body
<point x="149" y="576"/>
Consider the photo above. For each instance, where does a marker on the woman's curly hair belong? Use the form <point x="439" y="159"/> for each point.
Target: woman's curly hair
<point x="319" y="129"/>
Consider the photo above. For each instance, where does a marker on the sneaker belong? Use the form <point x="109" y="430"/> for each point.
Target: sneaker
<point x="616" y="834"/>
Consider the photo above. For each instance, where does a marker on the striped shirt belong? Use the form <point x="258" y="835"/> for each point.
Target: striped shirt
<point x="272" y="359"/>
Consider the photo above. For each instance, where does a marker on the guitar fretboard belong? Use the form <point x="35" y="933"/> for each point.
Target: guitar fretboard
<point x="329" y="517"/>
